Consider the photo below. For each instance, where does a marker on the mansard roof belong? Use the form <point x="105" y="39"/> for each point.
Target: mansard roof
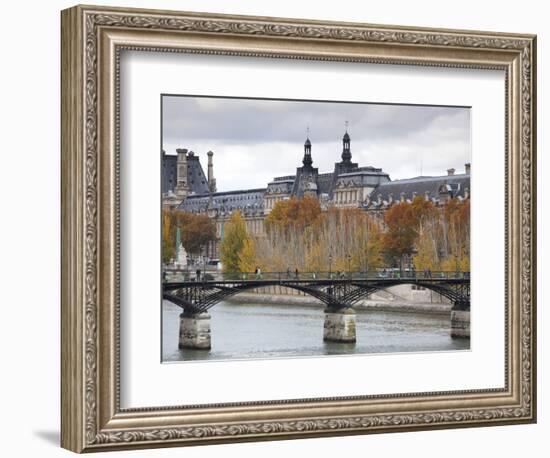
<point x="169" y="175"/>
<point x="196" y="178"/>
<point x="249" y="201"/>
<point x="324" y="182"/>
<point x="455" y="185"/>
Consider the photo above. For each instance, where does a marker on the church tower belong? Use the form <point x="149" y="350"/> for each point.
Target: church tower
<point x="346" y="150"/>
<point x="307" y="160"/>
<point x="305" y="183"/>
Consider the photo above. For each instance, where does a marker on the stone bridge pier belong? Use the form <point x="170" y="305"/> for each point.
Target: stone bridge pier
<point x="460" y="320"/>
<point x="339" y="325"/>
<point x="195" y="331"/>
<point x="338" y="295"/>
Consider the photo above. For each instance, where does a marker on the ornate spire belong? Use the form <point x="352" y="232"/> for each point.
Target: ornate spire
<point x="346" y="151"/>
<point x="307" y="160"/>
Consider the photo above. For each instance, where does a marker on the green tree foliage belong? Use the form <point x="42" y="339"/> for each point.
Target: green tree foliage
<point x="235" y="236"/>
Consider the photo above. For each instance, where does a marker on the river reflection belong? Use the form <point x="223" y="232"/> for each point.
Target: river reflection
<point x="244" y="331"/>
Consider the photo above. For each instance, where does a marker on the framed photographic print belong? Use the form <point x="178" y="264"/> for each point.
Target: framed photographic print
<point x="278" y="228"/>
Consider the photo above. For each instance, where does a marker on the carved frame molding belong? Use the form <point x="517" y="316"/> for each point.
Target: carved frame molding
<point x="92" y="39"/>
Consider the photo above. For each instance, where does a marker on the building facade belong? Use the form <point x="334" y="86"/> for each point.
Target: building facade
<point x="186" y="187"/>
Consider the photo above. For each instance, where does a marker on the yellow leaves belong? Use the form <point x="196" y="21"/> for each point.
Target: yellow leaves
<point x="437" y="237"/>
<point x="316" y="258"/>
<point x="293" y="213"/>
<point x="324" y="244"/>
<point x="401" y="230"/>
<point x="300" y="237"/>
<point x="247" y="256"/>
<point x="196" y="232"/>
<point x="233" y="242"/>
<point x="426" y="256"/>
<point x="168" y="236"/>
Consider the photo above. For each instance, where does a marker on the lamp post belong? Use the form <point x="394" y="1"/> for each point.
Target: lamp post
<point x="204" y="267"/>
<point x="330" y="265"/>
<point x="349" y="265"/>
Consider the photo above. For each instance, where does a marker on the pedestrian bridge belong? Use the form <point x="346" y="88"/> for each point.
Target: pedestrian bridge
<point x="336" y="290"/>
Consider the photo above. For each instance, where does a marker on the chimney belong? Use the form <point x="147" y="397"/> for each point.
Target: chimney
<point x="211" y="179"/>
<point x="467" y="167"/>
<point x="450" y="172"/>
<point x="181" y="171"/>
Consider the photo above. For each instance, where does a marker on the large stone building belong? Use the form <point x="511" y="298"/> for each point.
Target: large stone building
<point x="186" y="187"/>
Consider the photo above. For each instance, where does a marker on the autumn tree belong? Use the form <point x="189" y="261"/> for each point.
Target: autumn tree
<point x="426" y="256"/>
<point x="196" y="232"/>
<point x="233" y="242"/>
<point x="168" y="236"/>
<point x="401" y="232"/>
<point x="372" y="250"/>
<point x="247" y="256"/>
<point x="293" y="213"/>
<point x="456" y="220"/>
<point x="427" y="223"/>
<point x="339" y="239"/>
<point x="316" y="258"/>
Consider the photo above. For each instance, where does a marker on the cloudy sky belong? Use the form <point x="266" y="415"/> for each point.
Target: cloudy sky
<point x="256" y="140"/>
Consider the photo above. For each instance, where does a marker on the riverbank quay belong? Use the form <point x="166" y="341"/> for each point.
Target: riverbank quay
<point x="367" y="304"/>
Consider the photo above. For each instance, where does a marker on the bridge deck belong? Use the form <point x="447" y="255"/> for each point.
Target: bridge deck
<point x="336" y="291"/>
<point x="317" y="278"/>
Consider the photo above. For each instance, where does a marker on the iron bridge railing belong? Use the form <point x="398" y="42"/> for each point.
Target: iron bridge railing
<point x="218" y="276"/>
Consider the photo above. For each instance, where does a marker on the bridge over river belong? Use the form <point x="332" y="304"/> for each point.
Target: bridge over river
<point x="338" y="291"/>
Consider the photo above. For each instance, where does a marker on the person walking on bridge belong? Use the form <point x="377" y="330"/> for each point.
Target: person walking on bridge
<point x="258" y="273"/>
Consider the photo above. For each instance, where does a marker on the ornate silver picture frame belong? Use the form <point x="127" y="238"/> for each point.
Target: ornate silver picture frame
<point x="93" y="40"/>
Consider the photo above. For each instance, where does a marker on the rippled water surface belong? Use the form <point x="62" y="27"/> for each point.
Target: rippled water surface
<point x="243" y="331"/>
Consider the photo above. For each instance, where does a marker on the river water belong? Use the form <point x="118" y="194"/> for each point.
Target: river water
<point x="244" y="331"/>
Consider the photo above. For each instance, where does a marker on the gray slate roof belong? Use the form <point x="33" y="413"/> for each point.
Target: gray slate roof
<point x="196" y="178"/>
<point x="457" y="184"/>
<point x="249" y="201"/>
<point x="324" y="182"/>
<point x="168" y="177"/>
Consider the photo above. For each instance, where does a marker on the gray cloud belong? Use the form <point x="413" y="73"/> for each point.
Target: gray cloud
<point x="255" y="140"/>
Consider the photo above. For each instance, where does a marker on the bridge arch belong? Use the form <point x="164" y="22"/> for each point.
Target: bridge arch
<point x="214" y="293"/>
<point x="200" y="297"/>
<point x="452" y="294"/>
